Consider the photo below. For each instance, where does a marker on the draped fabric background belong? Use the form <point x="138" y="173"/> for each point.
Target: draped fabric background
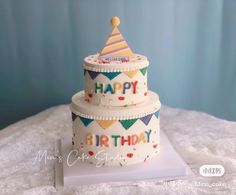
<point x="191" y="46"/>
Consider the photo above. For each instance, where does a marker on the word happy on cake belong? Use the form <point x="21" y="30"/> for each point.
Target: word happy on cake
<point x="116" y="87"/>
<point x="117" y="140"/>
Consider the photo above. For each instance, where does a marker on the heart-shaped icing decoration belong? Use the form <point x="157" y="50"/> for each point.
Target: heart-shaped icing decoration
<point x="130" y="155"/>
<point x="145" y="94"/>
<point x="90" y="95"/>
<point x="155" y="145"/>
<point x="90" y="153"/>
<point x="121" y="98"/>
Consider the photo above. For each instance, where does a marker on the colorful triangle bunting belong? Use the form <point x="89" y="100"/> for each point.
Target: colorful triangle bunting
<point x="85" y="121"/>
<point x="131" y="74"/>
<point x="146" y="119"/>
<point x="105" y="123"/>
<point x="93" y="74"/>
<point x="111" y="75"/>
<point x="74" y="116"/>
<point x="143" y="70"/>
<point x="128" y="123"/>
<point x="157" y="113"/>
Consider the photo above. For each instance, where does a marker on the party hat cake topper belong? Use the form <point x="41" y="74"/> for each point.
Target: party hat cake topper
<point x="116" y="47"/>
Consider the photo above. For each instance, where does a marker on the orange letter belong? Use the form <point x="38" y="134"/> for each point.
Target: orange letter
<point x="104" y="141"/>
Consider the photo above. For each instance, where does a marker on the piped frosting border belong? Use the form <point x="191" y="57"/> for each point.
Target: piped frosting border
<point x="91" y="62"/>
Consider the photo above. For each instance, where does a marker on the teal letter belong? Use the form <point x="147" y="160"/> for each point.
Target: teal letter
<point x="148" y="135"/>
<point x="109" y="89"/>
<point x="115" y="138"/>
<point x="99" y="87"/>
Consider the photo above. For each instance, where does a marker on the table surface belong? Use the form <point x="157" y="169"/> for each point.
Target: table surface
<point x="198" y="137"/>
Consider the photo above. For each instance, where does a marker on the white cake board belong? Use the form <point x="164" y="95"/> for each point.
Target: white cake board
<point x="167" y="165"/>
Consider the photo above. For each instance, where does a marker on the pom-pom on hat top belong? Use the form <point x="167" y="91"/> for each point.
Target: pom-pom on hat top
<point x="116" y="46"/>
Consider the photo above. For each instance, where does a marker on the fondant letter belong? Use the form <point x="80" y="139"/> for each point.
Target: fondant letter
<point x="148" y="135"/>
<point x="123" y="140"/>
<point x="98" y="87"/>
<point x="142" y="137"/>
<point x="109" y="89"/>
<point x="104" y="140"/>
<point x="134" y="139"/>
<point x="97" y="140"/>
<point x="89" y="139"/>
<point x="126" y="85"/>
<point x="115" y="138"/>
<point x="117" y="86"/>
<point x="134" y="84"/>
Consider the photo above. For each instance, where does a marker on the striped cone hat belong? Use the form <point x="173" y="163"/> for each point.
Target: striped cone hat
<point x="116" y="46"/>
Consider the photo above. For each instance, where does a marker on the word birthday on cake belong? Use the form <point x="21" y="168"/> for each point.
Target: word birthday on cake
<point x="116" y="87"/>
<point x="117" y="140"/>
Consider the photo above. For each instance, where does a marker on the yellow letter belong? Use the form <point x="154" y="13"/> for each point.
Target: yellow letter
<point x="89" y="139"/>
<point x="117" y="86"/>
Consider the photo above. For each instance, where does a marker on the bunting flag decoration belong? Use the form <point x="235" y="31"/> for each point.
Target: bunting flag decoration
<point x="143" y="70"/>
<point x="146" y="119"/>
<point x="74" y="116"/>
<point x="105" y="123"/>
<point x="116" y="45"/>
<point x="111" y="75"/>
<point x="93" y="74"/>
<point x="85" y="121"/>
<point x="128" y="123"/>
<point x="131" y="74"/>
<point x="157" y="113"/>
<point x="125" y="123"/>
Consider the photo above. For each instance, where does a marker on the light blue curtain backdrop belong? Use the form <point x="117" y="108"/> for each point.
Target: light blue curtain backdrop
<point x="191" y="46"/>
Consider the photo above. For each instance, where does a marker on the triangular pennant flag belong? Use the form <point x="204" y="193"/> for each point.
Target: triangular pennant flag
<point x="131" y="74"/>
<point x="105" y="123"/>
<point x="93" y="74"/>
<point x="146" y="119"/>
<point x="128" y="123"/>
<point x="111" y="75"/>
<point x="74" y="116"/>
<point x="85" y="121"/>
<point x="157" y="113"/>
<point x="143" y="71"/>
<point x="116" y="45"/>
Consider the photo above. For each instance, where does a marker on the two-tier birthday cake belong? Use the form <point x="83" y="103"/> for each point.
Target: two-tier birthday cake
<point x="116" y="119"/>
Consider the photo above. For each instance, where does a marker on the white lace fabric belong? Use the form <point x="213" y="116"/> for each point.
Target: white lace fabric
<point x="198" y="137"/>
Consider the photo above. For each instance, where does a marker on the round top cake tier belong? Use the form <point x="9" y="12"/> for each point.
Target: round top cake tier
<point x="115" y="83"/>
<point x="116" y="76"/>
<point x="82" y="108"/>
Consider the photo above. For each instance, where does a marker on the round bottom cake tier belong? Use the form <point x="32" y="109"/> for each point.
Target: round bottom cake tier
<point x="115" y="136"/>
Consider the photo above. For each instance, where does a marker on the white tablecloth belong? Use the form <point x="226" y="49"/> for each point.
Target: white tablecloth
<point x="199" y="138"/>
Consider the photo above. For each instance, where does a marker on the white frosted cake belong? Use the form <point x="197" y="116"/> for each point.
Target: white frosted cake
<point x="115" y="119"/>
